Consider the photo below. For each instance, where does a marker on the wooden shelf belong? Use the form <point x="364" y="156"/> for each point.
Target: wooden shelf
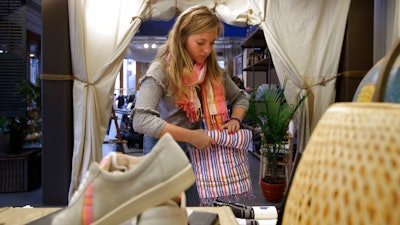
<point x="255" y="40"/>
<point x="261" y="65"/>
<point x="257" y="59"/>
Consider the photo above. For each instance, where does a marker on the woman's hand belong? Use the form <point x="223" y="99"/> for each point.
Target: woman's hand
<point x="201" y="140"/>
<point x="232" y="126"/>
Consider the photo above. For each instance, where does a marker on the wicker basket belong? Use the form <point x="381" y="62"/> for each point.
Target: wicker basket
<point x="350" y="169"/>
<point x="20" y="172"/>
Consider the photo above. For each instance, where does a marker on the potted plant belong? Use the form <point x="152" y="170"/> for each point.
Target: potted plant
<point x="32" y="98"/>
<point x="271" y="114"/>
<point x="31" y="92"/>
<point x="5" y="123"/>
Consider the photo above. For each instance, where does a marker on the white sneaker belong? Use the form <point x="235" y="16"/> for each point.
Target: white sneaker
<point x="124" y="186"/>
<point x="171" y="212"/>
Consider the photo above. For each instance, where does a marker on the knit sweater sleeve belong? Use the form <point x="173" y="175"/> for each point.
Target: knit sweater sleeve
<point x="145" y="115"/>
<point x="235" y="96"/>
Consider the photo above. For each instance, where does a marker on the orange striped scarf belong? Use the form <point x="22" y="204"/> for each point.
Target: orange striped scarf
<point x="214" y="106"/>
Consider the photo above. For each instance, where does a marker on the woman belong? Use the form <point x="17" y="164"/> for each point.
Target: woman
<point x="185" y="86"/>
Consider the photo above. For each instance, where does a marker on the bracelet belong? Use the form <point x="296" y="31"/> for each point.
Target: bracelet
<point x="237" y="119"/>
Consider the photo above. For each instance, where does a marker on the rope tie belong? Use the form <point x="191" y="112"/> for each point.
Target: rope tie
<point x="327" y="79"/>
<point x="252" y="22"/>
<point x="136" y="17"/>
<point x="148" y="5"/>
<point x="323" y="82"/>
<point x="62" y="77"/>
<point x="56" y="77"/>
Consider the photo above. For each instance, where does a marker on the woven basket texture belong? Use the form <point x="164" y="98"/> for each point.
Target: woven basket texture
<point x="349" y="172"/>
<point x="20" y="172"/>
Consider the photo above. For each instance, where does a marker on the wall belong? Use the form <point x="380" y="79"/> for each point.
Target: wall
<point x="357" y="50"/>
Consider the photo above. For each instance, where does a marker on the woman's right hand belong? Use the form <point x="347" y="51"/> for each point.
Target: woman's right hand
<point x="201" y="140"/>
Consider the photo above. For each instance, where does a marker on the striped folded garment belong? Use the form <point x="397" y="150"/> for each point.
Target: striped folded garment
<point x="222" y="171"/>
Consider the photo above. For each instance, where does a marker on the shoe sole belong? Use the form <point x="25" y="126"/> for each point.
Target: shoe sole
<point x="153" y="196"/>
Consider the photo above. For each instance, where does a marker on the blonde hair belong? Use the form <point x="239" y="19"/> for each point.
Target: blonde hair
<point x="194" y="20"/>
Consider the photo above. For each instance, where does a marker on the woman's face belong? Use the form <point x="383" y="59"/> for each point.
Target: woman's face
<point x="200" y="45"/>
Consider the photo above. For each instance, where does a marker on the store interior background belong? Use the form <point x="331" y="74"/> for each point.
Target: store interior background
<point x="369" y="39"/>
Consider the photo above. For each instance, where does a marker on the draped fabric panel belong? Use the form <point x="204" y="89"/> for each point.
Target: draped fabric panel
<point x="305" y="40"/>
<point x="98" y="45"/>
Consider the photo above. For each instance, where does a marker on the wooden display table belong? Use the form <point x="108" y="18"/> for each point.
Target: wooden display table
<point x="20" y="216"/>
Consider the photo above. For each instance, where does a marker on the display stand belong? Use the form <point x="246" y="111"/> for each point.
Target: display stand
<point x="119" y="141"/>
<point x="285" y="163"/>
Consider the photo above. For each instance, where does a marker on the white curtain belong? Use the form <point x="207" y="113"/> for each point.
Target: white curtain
<point x="305" y="40"/>
<point x="396" y="23"/>
<point x="100" y="31"/>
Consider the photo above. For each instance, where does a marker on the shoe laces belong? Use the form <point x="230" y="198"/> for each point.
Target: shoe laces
<point x="113" y="163"/>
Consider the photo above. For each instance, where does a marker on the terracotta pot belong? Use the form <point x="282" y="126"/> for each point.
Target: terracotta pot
<point x="273" y="192"/>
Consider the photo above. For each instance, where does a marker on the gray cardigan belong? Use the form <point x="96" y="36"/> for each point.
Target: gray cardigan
<point x="153" y="107"/>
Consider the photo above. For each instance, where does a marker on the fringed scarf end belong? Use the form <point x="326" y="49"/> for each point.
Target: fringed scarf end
<point x="228" y="199"/>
